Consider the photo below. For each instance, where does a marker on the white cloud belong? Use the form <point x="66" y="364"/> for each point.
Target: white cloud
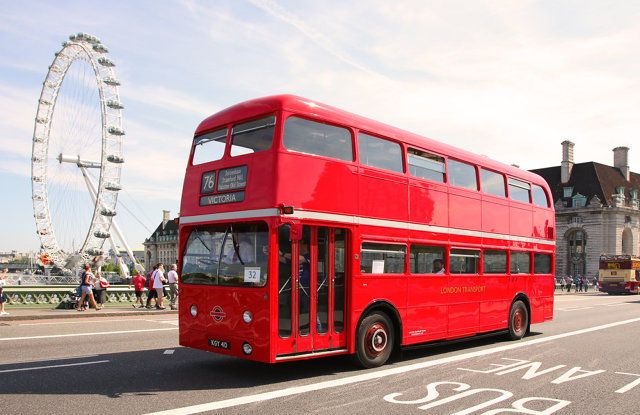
<point x="168" y="99"/>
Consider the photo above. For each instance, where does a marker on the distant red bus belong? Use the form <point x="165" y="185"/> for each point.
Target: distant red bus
<point x="308" y="231"/>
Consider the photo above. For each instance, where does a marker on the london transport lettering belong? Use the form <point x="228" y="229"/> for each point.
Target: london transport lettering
<point x="464" y="289"/>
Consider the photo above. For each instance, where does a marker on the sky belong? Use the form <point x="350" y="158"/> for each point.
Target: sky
<point x="507" y="79"/>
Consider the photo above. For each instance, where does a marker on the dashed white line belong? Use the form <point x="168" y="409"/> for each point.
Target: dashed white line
<point x="86" y="334"/>
<point x="23" y="369"/>
<point x="169" y="351"/>
<point x="100" y="320"/>
<point x="574" y="308"/>
<point x="296" y="390"/>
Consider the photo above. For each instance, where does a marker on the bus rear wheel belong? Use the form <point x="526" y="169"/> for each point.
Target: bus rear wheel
<point x="518" y="320"/>
<point x="374" y="340"/>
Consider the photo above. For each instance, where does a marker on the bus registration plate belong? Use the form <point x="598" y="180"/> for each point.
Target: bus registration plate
<point x="220" y="344"/>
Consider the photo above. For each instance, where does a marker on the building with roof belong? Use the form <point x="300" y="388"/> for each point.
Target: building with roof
<point x="162" y="245"/>
<point x="597" y="210"/>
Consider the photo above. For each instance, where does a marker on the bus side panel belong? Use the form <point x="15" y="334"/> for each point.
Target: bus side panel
<point x="383" y="194"/>
<point x="542" y="221"/>
<point x="372" y="289"/>
<point x="428" y="203"/>
<point x="464" y="209"/>
<point x="334" y="184"/>
<point x="495" y="215"/>
<point x="520" y="219"/>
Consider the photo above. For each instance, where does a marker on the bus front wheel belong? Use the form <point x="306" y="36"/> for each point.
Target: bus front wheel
<point x="518" y="320"/>
<point x="374" y="340"/>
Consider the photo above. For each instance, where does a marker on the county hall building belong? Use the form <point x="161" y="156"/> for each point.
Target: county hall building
<point x="596" y="210"/>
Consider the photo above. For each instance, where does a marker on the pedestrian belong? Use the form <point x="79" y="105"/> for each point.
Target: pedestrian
<point x="151" y="293"/>
<point x="172" y="277"/>
<point x="85" y="285"/>
<point x="584" y="282"/>
<point x="158" y="284"/>
<point x="567" y="281"/>
<point x="579" y="284"/>
<point x="100" y="286"/>
<point x="3" y="297"/>
<point x="138" y="284"/>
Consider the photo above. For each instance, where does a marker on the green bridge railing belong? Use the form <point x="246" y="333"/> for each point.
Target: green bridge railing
<point x="59" y="294"/>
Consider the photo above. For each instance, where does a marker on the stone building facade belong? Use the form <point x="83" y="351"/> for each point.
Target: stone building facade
<point x="162" y="245"/>
<point x="597" y="210"/>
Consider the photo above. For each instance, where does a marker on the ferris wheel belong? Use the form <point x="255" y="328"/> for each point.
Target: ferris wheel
<point x="77" y="153"/>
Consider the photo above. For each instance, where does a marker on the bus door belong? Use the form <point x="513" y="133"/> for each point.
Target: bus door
<point x="311" y="292"/>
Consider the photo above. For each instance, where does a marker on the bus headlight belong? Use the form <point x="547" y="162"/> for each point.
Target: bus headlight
<point x="247" y="349"/>
<point x="247" y="317"/>
<point x="194" y="310"/>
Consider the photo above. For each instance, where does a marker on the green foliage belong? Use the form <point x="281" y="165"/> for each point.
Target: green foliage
<point x="111" y="267"/>
<point x="20" y="260"/>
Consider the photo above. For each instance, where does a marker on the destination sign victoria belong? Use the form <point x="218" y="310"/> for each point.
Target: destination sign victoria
<point x="228" y="179"/>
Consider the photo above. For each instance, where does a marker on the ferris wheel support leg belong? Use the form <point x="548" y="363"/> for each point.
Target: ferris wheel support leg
<point x="116" y="228"/>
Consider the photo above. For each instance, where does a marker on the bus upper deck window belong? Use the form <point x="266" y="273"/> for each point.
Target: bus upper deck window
<point x="426" y="165"/>
<point x="519" y="190"/>
<point x="209" y="147"/>
<point x="462" y="175"/>
<point x="380" y="153"/>
<point x="539" y="196"/>
<point x="252" y="136"/>
<point x="318" y="138"/>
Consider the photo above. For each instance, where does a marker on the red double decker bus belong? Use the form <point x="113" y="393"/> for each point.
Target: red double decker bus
<point x="308" y="231"/>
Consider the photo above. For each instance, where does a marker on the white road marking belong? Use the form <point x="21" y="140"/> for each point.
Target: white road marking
<point x="172" y="322"/>
<point x="53" y="366"/>
<point x="48" y="359"/>
<point x="295" y="390"/>
<point x="100" y="320"/>
<point x="169" y="351"/>
<point x="616" y="304"/>
<point x="574" y="308"/>
<point x="86" y="334"/>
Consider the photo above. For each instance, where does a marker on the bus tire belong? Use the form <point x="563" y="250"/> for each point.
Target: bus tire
<point x="518" y="320"/>
<point x="374" y="340"/>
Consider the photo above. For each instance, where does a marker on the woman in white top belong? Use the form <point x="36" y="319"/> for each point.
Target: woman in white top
<point x="158" y="284"/>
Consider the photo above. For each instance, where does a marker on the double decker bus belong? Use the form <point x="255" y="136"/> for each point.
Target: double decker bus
<point x="619" y="274"/>
<point x="308" y="231"/>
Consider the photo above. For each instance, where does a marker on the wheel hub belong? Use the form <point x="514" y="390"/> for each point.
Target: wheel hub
<point x="518" y="319"/>
<point x="376" y="339"/>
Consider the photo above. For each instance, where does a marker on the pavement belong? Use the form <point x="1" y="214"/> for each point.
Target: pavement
<point x="42" y="313"/>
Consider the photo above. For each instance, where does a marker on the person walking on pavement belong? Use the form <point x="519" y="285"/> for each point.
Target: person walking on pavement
<point x="138" y="286"/>
<point x="85" y="285"/>
<point x="172" y="277"/>
<point x="3" y="297"/>
<point x="99" y="288"/>
<point x="151" y="294"/>
<point x="158" y="284"/>
<point x="567" y="281"/>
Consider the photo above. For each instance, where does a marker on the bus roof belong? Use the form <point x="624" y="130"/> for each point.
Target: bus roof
<point x="315" y="109"/>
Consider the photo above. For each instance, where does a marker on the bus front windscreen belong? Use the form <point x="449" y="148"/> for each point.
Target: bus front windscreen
<point x="229" y="255"/>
